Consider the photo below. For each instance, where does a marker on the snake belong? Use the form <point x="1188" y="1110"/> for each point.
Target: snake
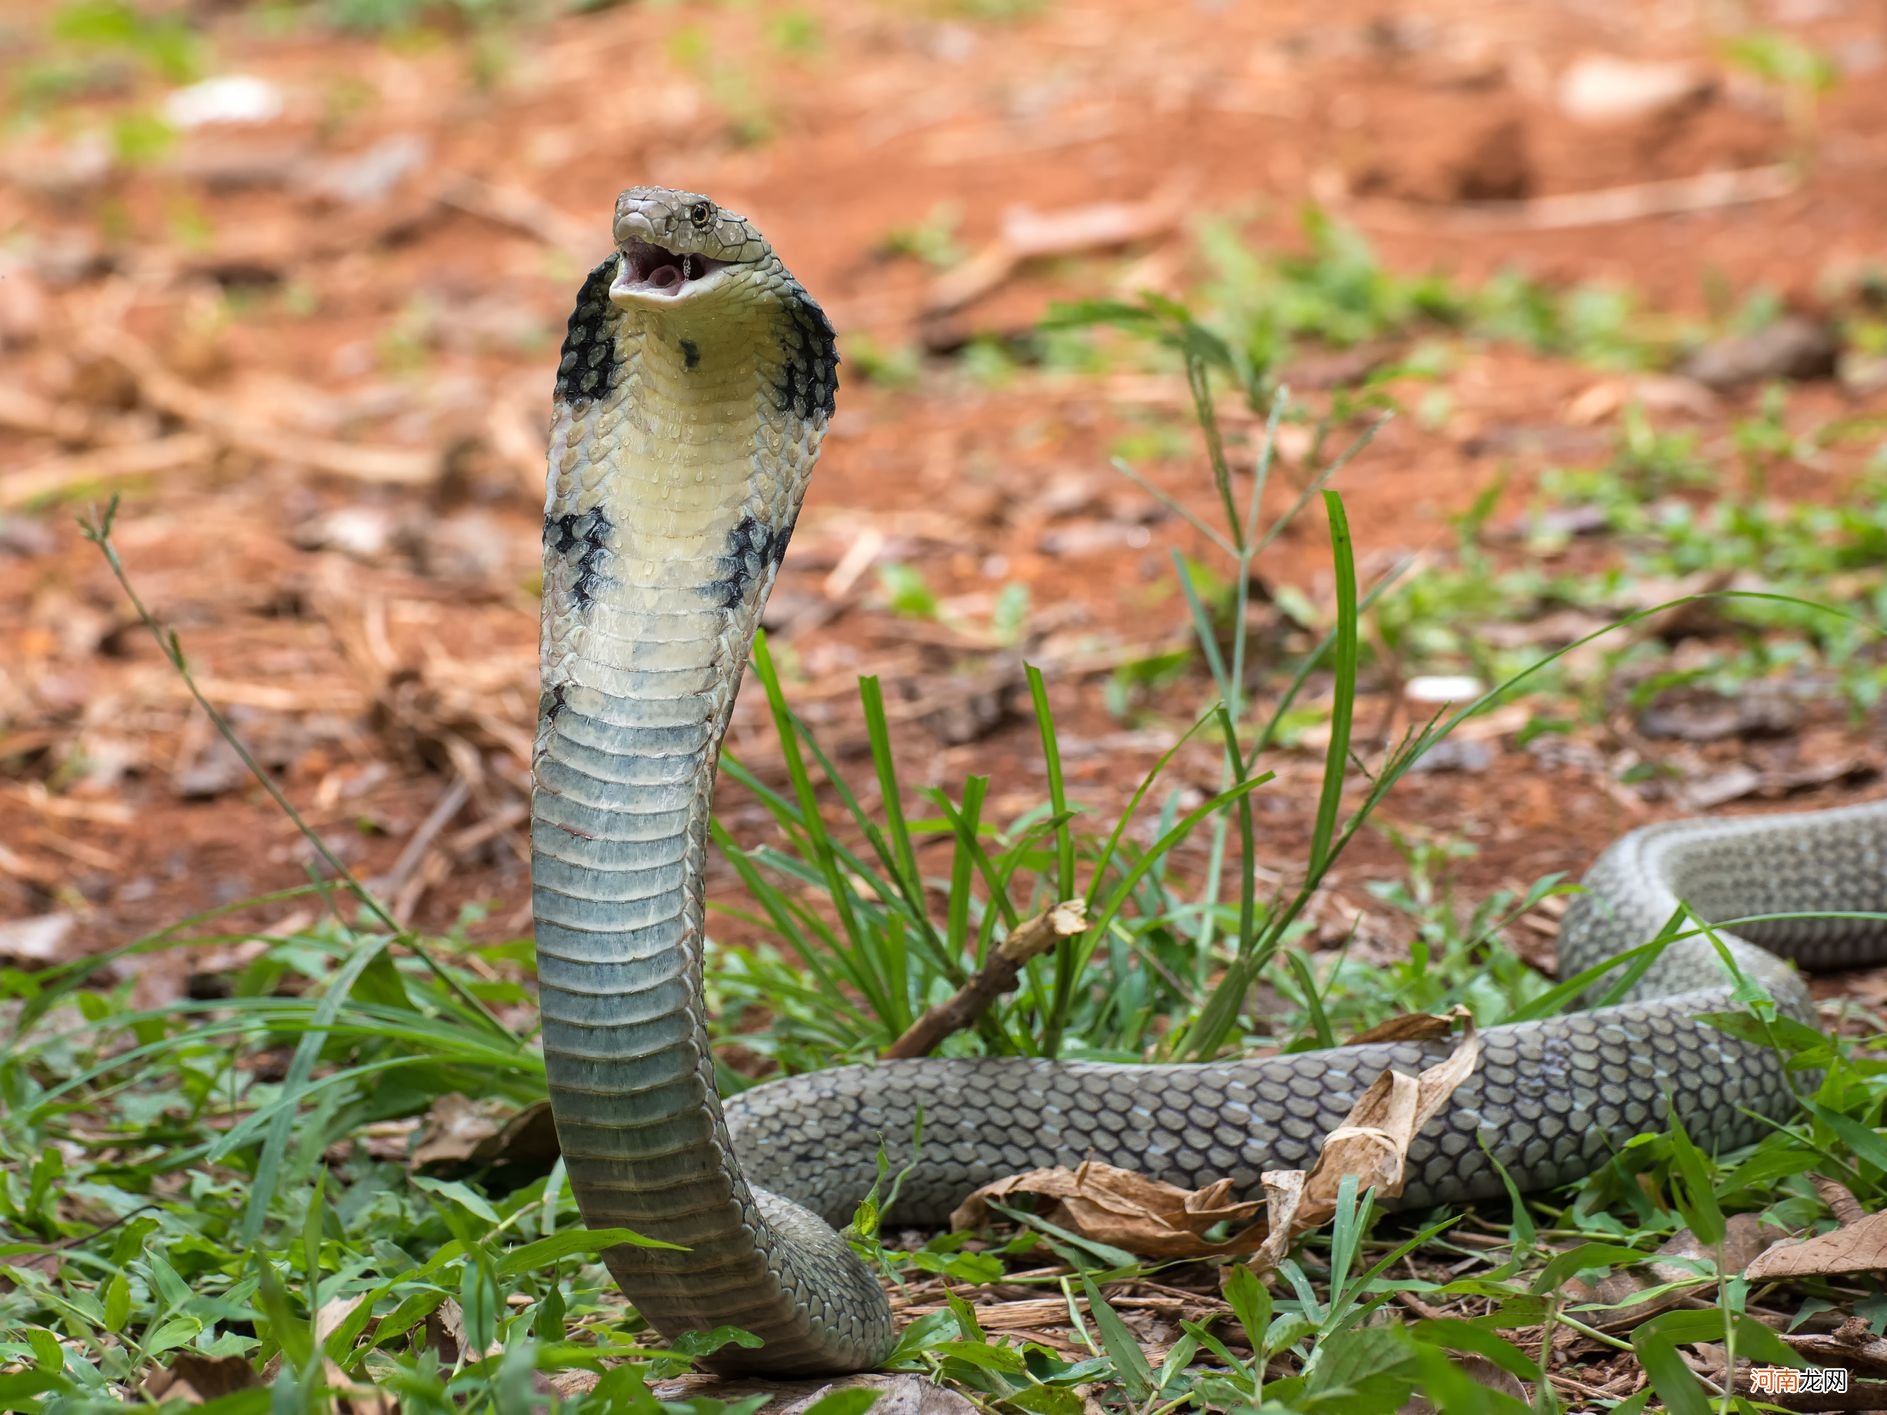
<point x="696" y="381"/>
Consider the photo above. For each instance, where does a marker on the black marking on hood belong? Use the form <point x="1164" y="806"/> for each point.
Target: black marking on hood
<point x="809" y="375"/>
<point x="753" y="550"/>
<point x="690" y="355"/>
<point x="551" y="703"/>
<point x="589" y="367"/>
<point x="585" y="532"/>
<point x="564" y="529"/>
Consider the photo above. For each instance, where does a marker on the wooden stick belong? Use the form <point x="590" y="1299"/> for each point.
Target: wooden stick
<point x="997" y="976"/>
<point x="163" y="390"/>
<point x="1608" y="206"/>
<point x="138" y="459"/>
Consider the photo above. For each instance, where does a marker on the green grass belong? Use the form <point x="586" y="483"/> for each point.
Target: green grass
<point x="1668" y="514"/>
<point x="223" y="1178"/>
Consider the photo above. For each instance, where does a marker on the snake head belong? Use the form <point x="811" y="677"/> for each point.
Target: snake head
<point x="678" y="246"/>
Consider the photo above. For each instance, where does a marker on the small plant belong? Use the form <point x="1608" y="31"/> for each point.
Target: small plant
<point x="934" y="240"/>
<point x="164" y="43"/>
<point x="989" y="11"/>
<point x="1801" y="74"/>
<point x="901" y="367"/>
<point x="1338" y="293"/>
<point x="796" y="33"/>
<point x="906" y="592"/>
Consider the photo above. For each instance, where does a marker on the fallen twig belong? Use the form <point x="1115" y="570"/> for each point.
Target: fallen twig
<point x="163" y="390"/>
<point x="517" y="209"/>
<point x="59" y="474"/>
<point x="1029" y="235"/>
<point x="1607" y="206"/>
<point x="24" y="412"/>
<point x="406" y="869"/>
<point x="997" y="975"/>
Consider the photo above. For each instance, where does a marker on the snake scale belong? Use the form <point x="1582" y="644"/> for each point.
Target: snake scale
<point x="697" y="380"/>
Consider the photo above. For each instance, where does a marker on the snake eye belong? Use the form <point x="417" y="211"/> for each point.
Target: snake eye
<point x="701" y="213"/>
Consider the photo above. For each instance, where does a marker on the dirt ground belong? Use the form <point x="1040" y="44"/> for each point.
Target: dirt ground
<point x="314" y="350"/>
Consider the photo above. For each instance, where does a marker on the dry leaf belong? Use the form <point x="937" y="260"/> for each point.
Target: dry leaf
<point x="1745" y="1236"/>
<point x="197" y="1379"/>
<point x="897" y="1395"/>
<point x="35" y="942"/>
<point x="1409" y="1027"/>
<point x="1482" y="1372"/>
<point x="1157" y="1219"/>
<point x="463" y="1134"/>
<point x="1852" y="1344"/>
<point x="1372" y="1144"/>
<point x="1861" y="1247"/>
<point x="1128" y="1210"/>
<point x="359" y="1399"/>
<point x="1284" y="1198"/>
<point x="1839" y="1199"/>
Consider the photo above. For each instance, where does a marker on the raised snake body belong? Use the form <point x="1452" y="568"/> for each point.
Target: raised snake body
<point x="696" y="383"/>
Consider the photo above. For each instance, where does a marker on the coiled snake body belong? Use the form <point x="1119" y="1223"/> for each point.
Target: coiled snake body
<point x="695" y="386"/>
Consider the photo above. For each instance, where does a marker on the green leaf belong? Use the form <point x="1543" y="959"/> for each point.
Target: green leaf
<point x="931" y="1330"/>
<point x="286" y="1329"/>
<point x="117" y="1302"/>
<point x="18" y="1389"/>
<point x="1676" y="1385"/>
<point x="1251" y="1304"/>
<point x="1046" y="1400"/>
<point x="1130" y="1362"/>
<point x="458" y="1193"/>
<point x="587" y="1241"/>
<point x="983" y="1356"/>
<point x="48" y="1354"/>
<point x="478" y="1301"/>
<point x="415" y="1307"/>
<point x="1361" y="1371"/>
<point x="1586" y="1257"/>
<point x="1483" y="1341"/>
<point x="1866" y="1143"/>
<point x="179" y="1330"/>
<point x="853" y="1400"/>
<point x="1453" y="1391"/>
<point x="1343" y="699"/>
<point x="1698" y="1203"/>
<point x="705" y="1343"/>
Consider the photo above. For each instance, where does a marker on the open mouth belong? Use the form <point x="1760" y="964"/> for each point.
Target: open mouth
<point x="648" y="269"/>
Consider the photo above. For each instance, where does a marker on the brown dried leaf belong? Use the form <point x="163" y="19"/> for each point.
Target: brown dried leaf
<point x="897" y="1395"/>
<point x="1410" y="1027"/>
<point x="1372" y="1144"/>
<point x="36" y="942"/>
<point x="1482" y="1372"/>
<point x="1149" y="1216"/>
<point x="1745" y="1236"/>
<point x="461" y="1133"/>
<point x="1861" y="1247"/>
<point x="1128" y="1210"/>
<point x="1839" y="1199"/>
<point x="197" y="1380"/>
<point x="358" y="1399"/>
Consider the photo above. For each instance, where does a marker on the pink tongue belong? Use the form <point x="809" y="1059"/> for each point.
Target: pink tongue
<point x="665" y="277"/>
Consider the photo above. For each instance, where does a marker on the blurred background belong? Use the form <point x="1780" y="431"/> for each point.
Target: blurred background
<point x="290" y="278"/>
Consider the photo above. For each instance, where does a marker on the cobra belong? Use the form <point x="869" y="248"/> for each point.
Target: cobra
<point x="696" y="383"/>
